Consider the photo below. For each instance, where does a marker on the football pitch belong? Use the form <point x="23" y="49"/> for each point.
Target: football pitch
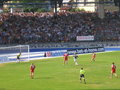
<point x="51" y="74"/>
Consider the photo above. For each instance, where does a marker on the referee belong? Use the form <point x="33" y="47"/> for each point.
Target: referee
<point x="82" y="76"/>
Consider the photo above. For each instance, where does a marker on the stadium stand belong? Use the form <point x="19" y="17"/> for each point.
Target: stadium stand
<point x="29" y="28"/>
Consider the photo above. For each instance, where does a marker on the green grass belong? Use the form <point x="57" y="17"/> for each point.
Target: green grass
<point x="51" y="74"/>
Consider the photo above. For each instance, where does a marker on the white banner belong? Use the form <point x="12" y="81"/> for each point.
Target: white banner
<point x="85" y="38"/>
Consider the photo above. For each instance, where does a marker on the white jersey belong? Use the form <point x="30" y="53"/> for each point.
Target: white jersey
<point x="75" y="56"/>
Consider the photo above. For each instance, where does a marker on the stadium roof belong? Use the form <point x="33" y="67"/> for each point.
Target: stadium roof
<point x="46" y="3"/>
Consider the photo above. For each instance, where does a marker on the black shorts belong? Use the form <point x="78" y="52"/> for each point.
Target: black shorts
<point x="18" y="57"/>
<point x="82" y="75"/>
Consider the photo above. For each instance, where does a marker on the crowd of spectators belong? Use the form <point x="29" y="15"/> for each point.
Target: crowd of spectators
<point x="31" y="28"/>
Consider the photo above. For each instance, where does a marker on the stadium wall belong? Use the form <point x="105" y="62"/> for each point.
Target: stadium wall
<point x="112" y="48"/>
<point x="49" y="53"/>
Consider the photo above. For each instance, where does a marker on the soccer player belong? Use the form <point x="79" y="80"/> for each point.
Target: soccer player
<point x="66" y="58"/>
<point x="93" y="56"/>
<point x="113" y="70"/>
<point x="82" y="76"/>
<point x="32" y="68"/>
<point x="45" y="54"/>
<point x="75" y="56"/>
<point x="18" y="57"/>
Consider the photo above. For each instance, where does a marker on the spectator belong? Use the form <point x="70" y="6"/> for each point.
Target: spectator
<point x="28" y="28"/>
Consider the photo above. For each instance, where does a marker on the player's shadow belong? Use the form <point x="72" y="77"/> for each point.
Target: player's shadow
<point x="94" y="83"/>
<point x="43" y="78"/>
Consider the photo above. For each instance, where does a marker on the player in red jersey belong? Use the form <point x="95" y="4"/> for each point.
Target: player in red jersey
<point x="32" y="68"/>
<point x="66" y="58"/>
<point x="93" y="56"/>
<point x="113" y="70"/>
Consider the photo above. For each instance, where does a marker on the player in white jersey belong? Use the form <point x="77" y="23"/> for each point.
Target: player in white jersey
<point x="75" y="56"/>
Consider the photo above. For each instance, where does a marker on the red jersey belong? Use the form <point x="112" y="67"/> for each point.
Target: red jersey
<point x="32" y="68"/>
<point x="65" y="56"/>
<point x="113" y="67"/>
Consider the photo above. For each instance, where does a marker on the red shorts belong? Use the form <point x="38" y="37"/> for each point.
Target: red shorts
<point x="93" y="56"/>
<point x="113" y="71"/>
<point x="65" y="59"/>
<point x="32" y="71"/>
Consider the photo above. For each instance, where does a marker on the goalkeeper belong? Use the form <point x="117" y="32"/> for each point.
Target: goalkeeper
<point x="18" y="57"/>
